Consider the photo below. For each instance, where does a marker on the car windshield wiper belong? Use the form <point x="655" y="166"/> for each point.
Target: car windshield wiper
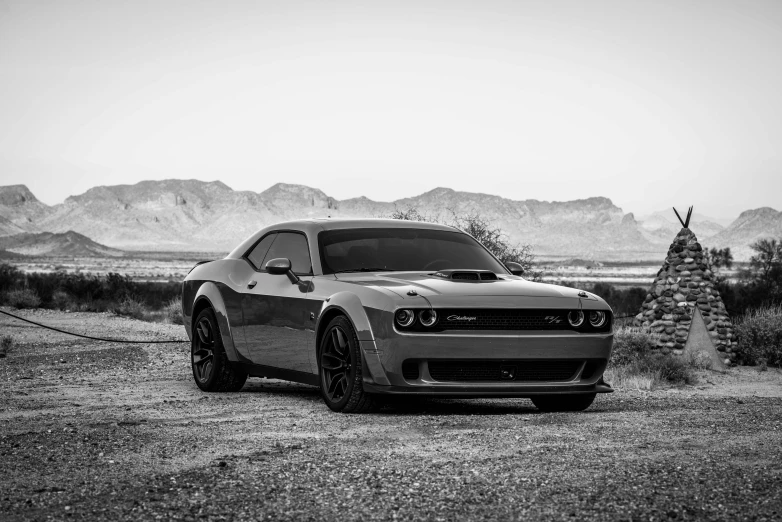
<point x="364" y="270"/>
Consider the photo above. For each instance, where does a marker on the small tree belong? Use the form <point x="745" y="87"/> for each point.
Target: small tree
<point x="767" y="262"/>
<point x="411" y="214"/>
<point x="720" y="257"/>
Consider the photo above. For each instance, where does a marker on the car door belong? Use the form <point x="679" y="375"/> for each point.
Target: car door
<point x="277" y="328"/>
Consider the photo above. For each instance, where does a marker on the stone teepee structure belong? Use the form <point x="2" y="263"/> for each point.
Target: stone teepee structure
<point x="683" y="305"/>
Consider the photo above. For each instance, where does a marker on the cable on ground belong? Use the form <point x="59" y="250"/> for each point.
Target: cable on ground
<point x="89" y="336"/>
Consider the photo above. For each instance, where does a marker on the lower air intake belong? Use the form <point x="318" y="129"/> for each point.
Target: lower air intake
<point x="490" y="371"/>
<point x="410" y="370"/>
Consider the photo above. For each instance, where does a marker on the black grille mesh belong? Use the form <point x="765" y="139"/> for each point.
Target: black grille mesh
<point x="462" y="371"/>
<point x="503" y="320"/>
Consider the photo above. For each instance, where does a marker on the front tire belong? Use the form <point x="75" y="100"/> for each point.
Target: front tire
<point x="212" y="370"/>
<point x="340" y="369"/>
<point x="552" y="403"/>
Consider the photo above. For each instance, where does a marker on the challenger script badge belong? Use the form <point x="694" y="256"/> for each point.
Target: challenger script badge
<point x="462" y="318"/>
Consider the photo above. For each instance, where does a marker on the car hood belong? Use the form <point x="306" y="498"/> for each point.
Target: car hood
<point x="447" y="292"/>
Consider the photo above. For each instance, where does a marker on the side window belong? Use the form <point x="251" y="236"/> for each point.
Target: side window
<point x="294" y="247"/>
<point x="257" y="254"/>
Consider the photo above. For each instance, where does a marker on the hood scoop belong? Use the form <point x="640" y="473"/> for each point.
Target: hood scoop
<point x="465" y="275"/>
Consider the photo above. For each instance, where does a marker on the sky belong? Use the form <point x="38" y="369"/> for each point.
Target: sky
<point x="652" y="104"/>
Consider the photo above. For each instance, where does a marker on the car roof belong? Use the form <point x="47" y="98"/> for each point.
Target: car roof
<point x="315" y="225"/>
<point x="343" y="223"/>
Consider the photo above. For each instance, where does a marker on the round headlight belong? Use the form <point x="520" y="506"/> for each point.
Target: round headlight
<point x="575" y="318"/>
<point x="597" y="318"/>
<point x="427" y="317"/>
<point x="404" y="317"/>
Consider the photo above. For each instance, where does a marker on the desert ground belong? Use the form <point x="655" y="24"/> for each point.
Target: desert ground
<point x="116" y="431"/>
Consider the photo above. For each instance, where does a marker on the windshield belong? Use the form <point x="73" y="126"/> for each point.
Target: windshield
<point x="370" y="249"/>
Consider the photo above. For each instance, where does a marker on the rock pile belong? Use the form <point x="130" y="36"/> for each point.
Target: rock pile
<point x="686" y="283"/>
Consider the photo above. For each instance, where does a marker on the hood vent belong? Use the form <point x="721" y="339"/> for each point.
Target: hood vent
<point x="466" y="275"/>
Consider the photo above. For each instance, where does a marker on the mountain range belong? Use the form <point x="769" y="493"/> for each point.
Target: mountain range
<point x="192" y="215"/>
<point x="68" y="244"/>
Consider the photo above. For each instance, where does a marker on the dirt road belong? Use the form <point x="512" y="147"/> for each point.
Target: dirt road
<point x="119" y="432"/>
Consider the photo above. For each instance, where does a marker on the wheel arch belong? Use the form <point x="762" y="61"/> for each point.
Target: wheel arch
<point x="349" y="305"/>
<point x="209" y="296"/>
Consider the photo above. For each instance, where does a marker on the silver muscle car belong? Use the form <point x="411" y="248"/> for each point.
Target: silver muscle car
<point x="369" y="308"/>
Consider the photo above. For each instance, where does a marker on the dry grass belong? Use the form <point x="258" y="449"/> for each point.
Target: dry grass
<point x="625" y="378"/>
<point x="173" y="311"/>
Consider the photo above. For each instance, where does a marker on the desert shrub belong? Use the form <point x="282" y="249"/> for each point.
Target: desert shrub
<point x="173" y="311"/>
<point x="636" y="363"/>
<point x="6" y="345"/>
<point x="130" y="306"/>
<point x="630" y="344"/>
<point x="22" y="298"/>
<point x="759" y="335"/>
<point x="61" y="300"/>
<point x="10" y="277"/>
<point x="665" y="368"/>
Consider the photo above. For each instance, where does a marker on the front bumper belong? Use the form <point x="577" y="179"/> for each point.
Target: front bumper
<point x="384" y="358"/>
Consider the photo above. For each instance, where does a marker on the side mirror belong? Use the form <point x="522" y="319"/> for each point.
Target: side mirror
<point x="280" y="266"/>
<point x="514" y="268"/>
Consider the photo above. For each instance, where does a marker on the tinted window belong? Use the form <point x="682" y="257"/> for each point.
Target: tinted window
<point x="294" y="247"/>
<point x="402" y="249"/>
<point x="257" y="254"/>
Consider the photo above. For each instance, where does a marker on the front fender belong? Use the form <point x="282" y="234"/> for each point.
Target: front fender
<point x="351" y="305"/>
<point x="211" y="293"/>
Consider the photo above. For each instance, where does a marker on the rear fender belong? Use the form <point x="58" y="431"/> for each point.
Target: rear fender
<point x="211" y="293"/>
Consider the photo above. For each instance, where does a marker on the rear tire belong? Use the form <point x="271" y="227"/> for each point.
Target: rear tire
<point x="212" y="370"/>
<point x="340" y="370"/>
<point x="564" y="402"/>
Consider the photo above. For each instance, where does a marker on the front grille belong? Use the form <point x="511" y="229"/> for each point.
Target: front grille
<point x="489" y="371"/>
<point x="513" y="319"/>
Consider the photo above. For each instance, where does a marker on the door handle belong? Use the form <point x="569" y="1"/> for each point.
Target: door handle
<point x="252" y="284"/>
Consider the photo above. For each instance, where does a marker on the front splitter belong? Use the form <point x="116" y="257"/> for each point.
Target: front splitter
<point x="473" y="391"/>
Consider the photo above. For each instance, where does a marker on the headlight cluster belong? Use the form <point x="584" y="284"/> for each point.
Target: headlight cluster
<point x="405" y="318"/>
<point x="596" y="318"/>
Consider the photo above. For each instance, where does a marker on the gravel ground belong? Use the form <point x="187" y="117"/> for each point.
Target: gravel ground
<point x="119" y="432"/>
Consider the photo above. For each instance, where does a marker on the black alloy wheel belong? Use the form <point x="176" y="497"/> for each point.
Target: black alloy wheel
<point x="336" y="364"/>
<point x="340" y="369"/>
<point x="212" y="370"/>
<point x="203" y="354"/>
